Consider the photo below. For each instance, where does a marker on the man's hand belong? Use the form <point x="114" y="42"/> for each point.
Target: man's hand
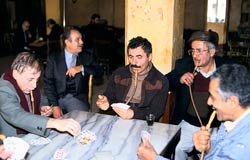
<point x="46" y="111"/>
<point x="71" y="72"/>
<point x="187" y="78"/>
<point x="146" y="151"/>
<point x="102" y="102"/>
<point x="123" y="113"/>
<point x="57" y="112"/>
<point x="201" y="140"/>
<point x="65" y="125"/>
<point x="3" y="153"/>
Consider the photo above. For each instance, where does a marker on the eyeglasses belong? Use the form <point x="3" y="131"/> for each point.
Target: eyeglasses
<point x="199" y="51"/>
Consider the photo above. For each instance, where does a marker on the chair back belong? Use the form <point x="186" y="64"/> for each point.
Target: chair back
<point x="90" y="93"/>
<point x="169" y="108"/>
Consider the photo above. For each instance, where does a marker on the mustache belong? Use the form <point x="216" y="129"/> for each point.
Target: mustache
<point x="135" y="66"/>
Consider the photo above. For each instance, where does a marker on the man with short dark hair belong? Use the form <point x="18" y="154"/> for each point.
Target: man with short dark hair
<point x="229" y="90"/>
<point x="139" y="84"/>
<point x="230" y="97"/>
<point x="66" y="76"/>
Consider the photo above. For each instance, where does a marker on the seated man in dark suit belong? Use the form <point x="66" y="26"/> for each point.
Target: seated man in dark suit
<point x="23" y="37"/>
<point x="66" y="75"/>
<point x="25" y="41"/>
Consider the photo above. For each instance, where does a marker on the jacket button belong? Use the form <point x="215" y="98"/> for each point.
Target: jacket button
<point x="39" y="128"/>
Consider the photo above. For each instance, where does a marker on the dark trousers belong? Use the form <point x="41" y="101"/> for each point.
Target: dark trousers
<point x="69" y="103"/>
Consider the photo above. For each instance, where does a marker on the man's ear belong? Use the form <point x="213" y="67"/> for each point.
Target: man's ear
<point x="212" y="52"/>
<point x="234" y="101"/>
<point x="150" y="57"/>
<point x="66" y="41"/>
<point x="15" y="74"/>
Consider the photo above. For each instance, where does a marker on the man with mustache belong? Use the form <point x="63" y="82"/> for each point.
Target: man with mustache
<point x="203" y="58"/>
<point x="229" y="90"/>
<point x="138" y="84"/>
<point x="66" y="75"/>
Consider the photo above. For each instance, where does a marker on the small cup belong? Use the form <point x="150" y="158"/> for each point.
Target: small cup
<point x="150" y="119"/>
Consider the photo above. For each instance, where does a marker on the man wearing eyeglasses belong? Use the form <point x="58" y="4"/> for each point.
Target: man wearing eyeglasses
<point x="193" y="74"/>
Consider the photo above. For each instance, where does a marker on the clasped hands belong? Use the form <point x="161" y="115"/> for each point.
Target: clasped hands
<point x="103" y="103"/>
<point x="71" y="72"/>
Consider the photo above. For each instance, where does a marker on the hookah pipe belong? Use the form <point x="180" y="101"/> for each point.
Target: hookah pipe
<point x="192" y="98"/>
<point x="2" y="136"/>
<point x="197" y="113"/>
<point x="208" y="127"/>
<point x="135" y="85"/>
<point x="32" y="101"/>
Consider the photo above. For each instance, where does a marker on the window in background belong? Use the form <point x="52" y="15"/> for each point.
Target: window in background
<point x="216" y="10"/>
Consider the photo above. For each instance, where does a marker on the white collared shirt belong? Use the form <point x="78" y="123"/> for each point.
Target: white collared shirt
<point x="230" y="125"/>
<point x="208" y="74"/>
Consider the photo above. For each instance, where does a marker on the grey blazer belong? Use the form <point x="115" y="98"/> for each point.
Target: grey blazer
<point x="12" y="115"/>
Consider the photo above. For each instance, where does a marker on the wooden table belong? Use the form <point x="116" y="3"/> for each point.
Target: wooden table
<point x="114" y="136"/>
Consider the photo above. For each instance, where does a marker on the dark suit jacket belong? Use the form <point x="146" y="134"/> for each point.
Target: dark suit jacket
<point x="55" y="77"/>
<point x="19" y="41"/>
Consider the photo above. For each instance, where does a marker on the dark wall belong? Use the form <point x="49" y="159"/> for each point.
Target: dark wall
<point x="32" y="10"/>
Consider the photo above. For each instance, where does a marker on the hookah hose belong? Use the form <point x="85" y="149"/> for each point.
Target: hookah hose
<point x="32" y="101"/>
<point x="197" y="113"/>
<point x="135" y="85"/>
<point x="192" y="99"/>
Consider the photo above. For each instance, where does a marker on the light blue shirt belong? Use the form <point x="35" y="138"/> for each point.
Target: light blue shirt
<point x="161" y="158"/>
<point x="68" y="59"/>
<point x="233" y="145"/>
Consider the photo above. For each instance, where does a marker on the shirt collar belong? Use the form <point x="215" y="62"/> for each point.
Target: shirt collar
<point x="208" y="74"/>
<point x="230" y="125"/>
<point x="68" y="55"/>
